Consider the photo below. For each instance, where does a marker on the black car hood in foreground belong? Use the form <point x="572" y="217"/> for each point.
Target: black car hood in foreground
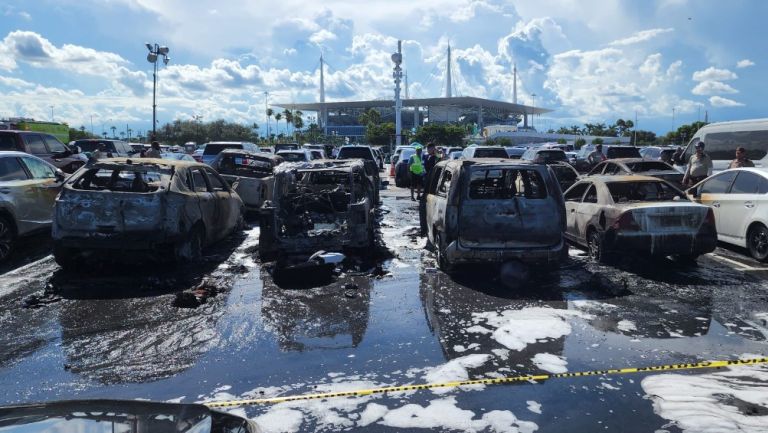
<point x="88" y="416"/>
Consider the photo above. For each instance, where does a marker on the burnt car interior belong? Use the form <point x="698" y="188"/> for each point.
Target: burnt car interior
<point x="499" y="184"/>
<point x="245" y="166"/>
<point x="624" y="192"/>
<point x="121" y="178"/>
<point x="319" y="200"/>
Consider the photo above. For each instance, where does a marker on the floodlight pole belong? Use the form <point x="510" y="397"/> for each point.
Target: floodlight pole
<point x="155" y="51"/>
<point x="397" y="74"/>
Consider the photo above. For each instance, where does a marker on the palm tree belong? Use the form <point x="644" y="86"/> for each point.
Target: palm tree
<point x="278" y="116"/>
<point x="288" y="116"/>
<point x="113" y="131"/>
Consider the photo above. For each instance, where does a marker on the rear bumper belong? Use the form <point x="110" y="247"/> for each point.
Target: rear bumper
<point x="705" y="241"/>
<point x="140" y="241"/>
<point x="461" y="255"/>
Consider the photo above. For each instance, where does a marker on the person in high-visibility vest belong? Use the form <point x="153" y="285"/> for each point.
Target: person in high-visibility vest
<point x="416" y="168"/>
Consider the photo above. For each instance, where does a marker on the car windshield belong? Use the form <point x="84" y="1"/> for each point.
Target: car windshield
<point x="238" y="164"/>
<point x="547" y="156"/>
<point x="216" y="148"/>
<point x="645" y="166"/>
<point x="640" y="191"/>
<point x="123" y="178"/>
<point x="498" y="183"/>
<point x="293" y="156"/>
<point x="491" y="153"/>
<point x="355" y="152"/>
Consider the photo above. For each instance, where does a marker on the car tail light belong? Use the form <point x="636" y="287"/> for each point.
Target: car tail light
<point x="626" y="222"/>
<point x="710" y="218"/>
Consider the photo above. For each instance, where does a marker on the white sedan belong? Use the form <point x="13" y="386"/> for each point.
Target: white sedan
<point x="641" y="214"/>
<point x="739" y="199"/>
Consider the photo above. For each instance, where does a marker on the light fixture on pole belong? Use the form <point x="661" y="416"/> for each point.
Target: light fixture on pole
<point x="156" y="51"/>
<point x="533" y="111"/>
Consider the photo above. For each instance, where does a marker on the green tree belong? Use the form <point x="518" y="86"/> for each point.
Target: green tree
<point x="369" y="116"/>
<point x="644" y="138"/>
<point x="380" y="135"/>
<point x="579" y="143"/>
<point x="278" y="116"/>
<point x="597" y="140"/>
<point x="441" y="134"/>
<point x="561" y="141"/>
<point x="270" y="112"/>
<point x="288" y="116"/>
<point x="504" y="141"/>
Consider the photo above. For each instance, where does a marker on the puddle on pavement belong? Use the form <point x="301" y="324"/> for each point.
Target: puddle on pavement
<point x="406" y="322"/>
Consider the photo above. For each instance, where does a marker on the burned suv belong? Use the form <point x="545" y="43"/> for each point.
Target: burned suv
<point x="485" y="210"/>
<point x="318" y="205"/>
<point x="157" y="208"/>
<point x="249" y="173"/>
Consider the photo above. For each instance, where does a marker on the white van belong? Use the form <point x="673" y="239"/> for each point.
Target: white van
<point x="721" y="140"/>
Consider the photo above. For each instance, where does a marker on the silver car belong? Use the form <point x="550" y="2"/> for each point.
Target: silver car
<point x="28" y="190"/>
<point x="250" y="174"/>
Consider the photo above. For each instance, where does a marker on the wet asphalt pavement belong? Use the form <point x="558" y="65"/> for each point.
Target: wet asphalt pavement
<point x="233" y="332"/>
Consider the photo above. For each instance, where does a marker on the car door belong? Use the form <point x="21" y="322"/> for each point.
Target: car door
<point x="737" y="207"/>
<point x="713" y="192"/>
<point x="572" y="199"/>
<point x="17" y="193"/>
<point x="586" y="212"/>
<point x="44" y="187"/>
<point x="437" y="200"/>
<point x="229" y="207"/>
<point x="35" y="145"/>
<point x="208" y="205"/>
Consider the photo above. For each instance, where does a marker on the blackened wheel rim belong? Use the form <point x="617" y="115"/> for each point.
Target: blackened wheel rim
<point x="442" y="261"/>
<point x="595" y="250"/>
<point x="6" y="238"/>
<point x="758" y="243"/>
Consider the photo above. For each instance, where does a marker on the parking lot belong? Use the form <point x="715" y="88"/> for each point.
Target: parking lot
<point x="225" y="330"/>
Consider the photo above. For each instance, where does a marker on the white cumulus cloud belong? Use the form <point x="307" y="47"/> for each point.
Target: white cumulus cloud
<point x="744" y="63"/>
<point x="719" y="101"/>
<point x="712" y="88"/>
<point x="641" y="36"/>
<point x="714" y="74"/>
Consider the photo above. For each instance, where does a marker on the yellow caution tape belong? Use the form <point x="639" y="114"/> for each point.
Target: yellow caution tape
<point x="493" y="381"/>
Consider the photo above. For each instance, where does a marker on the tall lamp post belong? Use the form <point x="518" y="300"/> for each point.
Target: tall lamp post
<point x="533" y="112"/>
<point x="156" y="51"/>
<point x="397" y="74"/>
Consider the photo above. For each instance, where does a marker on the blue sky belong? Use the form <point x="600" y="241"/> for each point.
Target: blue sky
<point x="589" y="60"/>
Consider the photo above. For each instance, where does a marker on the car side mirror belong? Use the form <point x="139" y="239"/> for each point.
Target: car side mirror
<point x="60" y="176"/>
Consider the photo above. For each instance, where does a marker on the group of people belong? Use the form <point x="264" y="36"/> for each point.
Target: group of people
<point x="420" y="166"/>
<point x="699" y="165"/>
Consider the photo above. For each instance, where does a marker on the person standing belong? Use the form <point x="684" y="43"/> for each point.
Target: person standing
<point x="596" y="156"/>
<point x="416" y="168"/>
<point x="741" y="159"/>
<point x="699" y="166"/>
<point x="431" y="159"/>
<point x="154" y="151"/>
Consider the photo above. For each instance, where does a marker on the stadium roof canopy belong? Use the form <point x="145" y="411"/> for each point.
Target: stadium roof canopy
<point x="460" y="101"/>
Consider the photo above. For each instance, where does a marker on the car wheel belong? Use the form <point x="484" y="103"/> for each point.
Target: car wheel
<point x="757" y="241"/>
<point x="595" y="247"/>
<point x="67" y="258"/>
<point x="191" y="248"/>
<point x="442" y="261"/>
<point x="7" y="238"/>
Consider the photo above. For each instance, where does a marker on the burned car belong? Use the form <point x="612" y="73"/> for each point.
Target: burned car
<point x="318" y="205"/>
<point x="494" y="210"/>
<point x="249" y="173"/>
<point x="163" y="209"/>
<point x="616" y="214"/>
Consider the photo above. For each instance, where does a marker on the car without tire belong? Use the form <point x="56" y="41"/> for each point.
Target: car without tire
<point x="250" y="174"/>
<point x="610" y="215"/>
<point x="148" y="208"/>
<point x="739" y="200"/>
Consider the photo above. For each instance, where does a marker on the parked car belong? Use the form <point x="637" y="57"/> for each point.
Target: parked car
<point x="369" y="159"/>
<point x="317" y="154"/>
<point x="572" y="157"/>
<point x="299" y="155"/>
<point x="485" y="210"/>
<point x="611" y="215"/>
<point x="266" y="149"/>
<point x="402" y="172"/>
<point x="113" y="148"/>
<point x="610" y="151"/>
<point x="475" y="151"/>
<point x="544" y="156"/>
<point x="177" y="157"/>
<point x="722" y="138"/>
<point x="286" y="146"/>
<point x="44" y="146"/>
<point x="321" y="205"/>
<point x="249" y="173"/>
<point x="515" y="152"/>
<point x="739" y="200"/>
<point x="658" y="153"/>
<point x="455" y="155"/>
<point x="210" y="150"/>
<point x="156" y="208"/>
<point x="28" y="189"/>
<point x="566" y="175"/>
<point x="640" y="166"/>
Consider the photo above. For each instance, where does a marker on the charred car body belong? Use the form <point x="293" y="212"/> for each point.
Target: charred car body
<point x="161" y="208"/>
<point x="641" y="214"/>
<point x="249" y="173"/>
<point x="318" y="205"/>
<point x="494" y="210"/>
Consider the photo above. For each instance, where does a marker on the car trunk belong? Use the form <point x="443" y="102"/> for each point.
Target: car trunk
<point x="507" y="207"/>
<point x="669" y="218"/>
<point x="111" y="212"/>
